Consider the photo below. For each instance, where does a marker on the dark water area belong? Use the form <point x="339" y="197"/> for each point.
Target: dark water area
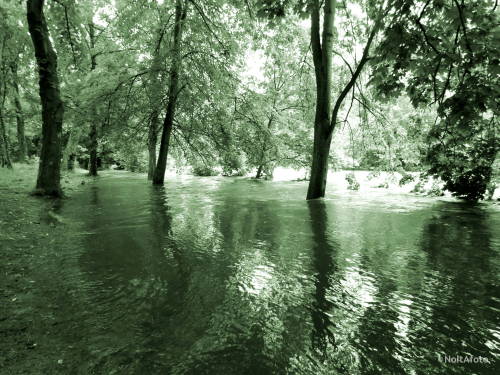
<point x="234" y="276"/>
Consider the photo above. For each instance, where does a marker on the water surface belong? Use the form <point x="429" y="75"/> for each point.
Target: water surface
<point x="235" y="276"/>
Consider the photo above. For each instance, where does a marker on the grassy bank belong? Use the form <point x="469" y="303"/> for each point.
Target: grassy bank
<point x="30" y="342"/>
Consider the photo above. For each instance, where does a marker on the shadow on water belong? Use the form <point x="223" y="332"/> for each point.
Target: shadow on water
<point x="324" y="251"/>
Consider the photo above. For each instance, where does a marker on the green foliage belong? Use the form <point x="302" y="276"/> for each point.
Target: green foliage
<point x="466" y="169"/>
<point x="203" y="170"/>
<point x="446" y="54"/>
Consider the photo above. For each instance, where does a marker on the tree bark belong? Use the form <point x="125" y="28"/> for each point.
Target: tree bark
<point x="152" y="141"/>
<point x="154" y="102"/>
<point x="49" y="171"/>
<point x="322" y="57"/>
<point x="70" y="149"/>
<point x="93" y="145"/>
<point x="263" y="153"/>
<point x="173" y="92"/>
<point x="93" y="134"/>
<point x="21" y="139"/>
<point x="5" y="160"/>
<point x="325" y="123"/>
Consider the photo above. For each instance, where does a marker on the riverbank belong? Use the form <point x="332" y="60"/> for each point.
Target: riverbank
<point x="30" y="226"/>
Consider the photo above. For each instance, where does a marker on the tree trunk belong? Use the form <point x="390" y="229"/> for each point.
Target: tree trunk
<point x="319" y="170"/>
<point x="152" y="141"/>
<point x="21" y="139"/>
<point x="259" y="171"/>
<point x="94" y="143"/>
<point x="49" y="171"/>
<point x="5" y="160"/>
<point x="4" y="144"/>
<point x="263" y="154"/>
<point x="173" y="92"/>
<point x="154" y="102"/>
<point x="324" y="123"/>
<point x="69" y="150"/>
<point x="93" y="134"/>
<point x="322" y="57"/>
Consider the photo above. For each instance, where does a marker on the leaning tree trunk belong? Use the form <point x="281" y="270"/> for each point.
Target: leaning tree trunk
<point x="49" y="170"/>
<point x="154" y="102"/>
<point x="173" y="92"/>
<point x="21" y="139"/>
<point x="152" y="141"/>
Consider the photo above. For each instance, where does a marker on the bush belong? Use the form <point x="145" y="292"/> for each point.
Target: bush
<point x="204" y="171"/>
<point x="353" y="184"/>
<point x="383" y="185"/>
<point x="373" y="175"/>
<point x="435" y="190"/>
<point x="406" y="178"/>
<point x="465" y="166"/>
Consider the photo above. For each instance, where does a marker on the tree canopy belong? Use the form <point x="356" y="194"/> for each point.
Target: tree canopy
<point x="243" y="87"/>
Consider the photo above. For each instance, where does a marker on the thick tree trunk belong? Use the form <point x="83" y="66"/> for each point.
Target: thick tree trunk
<point x="21" y="139"/>
<point x="49" y="171"/>
<point x="319" y="170"/>
<point x="173" y="92"/>
<point x="324" y="123"/>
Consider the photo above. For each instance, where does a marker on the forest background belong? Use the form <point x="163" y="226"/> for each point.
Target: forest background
<point x="244" y="87"/>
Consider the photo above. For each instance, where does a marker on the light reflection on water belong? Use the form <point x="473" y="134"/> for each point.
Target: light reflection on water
<point x="235" y="276"/>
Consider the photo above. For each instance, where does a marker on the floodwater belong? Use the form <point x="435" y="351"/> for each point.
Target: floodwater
<point x="235" y="276"/>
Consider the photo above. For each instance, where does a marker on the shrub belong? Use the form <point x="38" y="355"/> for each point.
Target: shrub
<point x="353" y="184"/>
<point x="406" y="178"/>
<point x="202" y="170"/>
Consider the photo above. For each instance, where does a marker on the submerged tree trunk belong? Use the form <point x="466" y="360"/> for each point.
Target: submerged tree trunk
<point x="152" y="141"/>
<point x="21" y="139"/>
<point x="322" y="56"/>
<point x="154" y="102"/>
<point x="319" y="169"/>
<point x="324" y="122"/>
<point x="49" y="171"/>
<point x="173" y="92"/>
